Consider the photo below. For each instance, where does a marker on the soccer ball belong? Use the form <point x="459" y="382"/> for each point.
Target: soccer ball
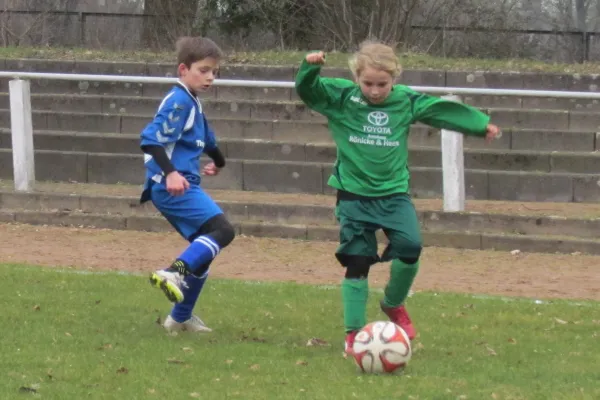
<point x="381" y="347"/>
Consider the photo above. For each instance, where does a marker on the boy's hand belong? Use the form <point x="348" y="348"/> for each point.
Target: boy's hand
<point x="210" y="169"/>
<point x="316" y="58"/>
<point x="176" y="184"/>
<point x="492" y="132"/>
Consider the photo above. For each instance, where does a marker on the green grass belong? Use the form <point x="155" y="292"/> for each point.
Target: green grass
<point x="335" y="59"/>
<point x="70" y="336"/>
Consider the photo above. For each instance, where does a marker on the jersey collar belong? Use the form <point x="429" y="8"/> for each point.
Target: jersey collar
<point x="192" y="94"/>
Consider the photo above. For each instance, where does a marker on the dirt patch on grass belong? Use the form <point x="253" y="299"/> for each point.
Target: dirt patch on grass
<point x="449" y="270"/>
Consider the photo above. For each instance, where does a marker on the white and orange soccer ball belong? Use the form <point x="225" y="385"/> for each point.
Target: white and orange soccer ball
<point x="381" y="347"/>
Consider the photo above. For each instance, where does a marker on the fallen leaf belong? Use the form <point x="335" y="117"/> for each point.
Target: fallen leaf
<point x="36" y="307"/>
<point x="560" y="321"/>
<point x="195" y="395"/>
<point x="491" y="351"/>
<point x="494" y="396"/>
<point x="68" y="334"/>
<point x="106" y="346"/>
<point x="229" y="362"/>
<point x="175" y="361"/>
<point x="512" y="340"/>
<point x="301" y="362"/>
<point x="98" y="301"/>
<point x="317" y="342"/>
<point x="255" y="367"/>
<point x="122" y="370"/>
<point x="151" y="391"/>
<point x="187" y="349"/>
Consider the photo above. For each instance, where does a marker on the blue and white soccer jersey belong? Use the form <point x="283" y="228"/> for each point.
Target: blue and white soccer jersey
<point x="181" y="128"/>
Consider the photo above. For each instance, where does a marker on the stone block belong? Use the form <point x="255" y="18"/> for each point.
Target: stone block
<point x="283" y="177"/>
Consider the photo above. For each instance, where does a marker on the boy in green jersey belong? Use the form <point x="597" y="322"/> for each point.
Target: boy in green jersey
<point x="369" y="121"/>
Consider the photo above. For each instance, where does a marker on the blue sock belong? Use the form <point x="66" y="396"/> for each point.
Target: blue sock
<point x="181" y="312"/>
<point x="200" y="252"/>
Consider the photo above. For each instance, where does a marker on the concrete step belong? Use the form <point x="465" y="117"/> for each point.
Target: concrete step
<point x="241" y="108"/>
<point x="307" y="177"/>
<point x="145" y="105"/>
<point x="481" y="79"/>
<point x="238" y="106"/>
<point x="544" y="227"/>
<point x="225" y="93"/>
<point x="533" y="209"/>
<point x="429" y="77"/>
<point x="256" y="149"/>
<point x="459" y="239"/>
<point x="319" y="210"/>
<point x="552" y="138"/>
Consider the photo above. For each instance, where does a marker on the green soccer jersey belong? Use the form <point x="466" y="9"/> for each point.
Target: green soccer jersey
<point x="372" y="140"/>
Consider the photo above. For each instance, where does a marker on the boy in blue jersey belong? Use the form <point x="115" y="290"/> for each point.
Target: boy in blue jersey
<point x="172" y="144"/>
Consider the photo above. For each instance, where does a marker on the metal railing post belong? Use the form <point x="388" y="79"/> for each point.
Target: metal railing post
<point x="453" y="167"/>
<point x="22" y="135"/>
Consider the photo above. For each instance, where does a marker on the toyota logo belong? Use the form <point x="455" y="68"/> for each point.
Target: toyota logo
<point x="378" y="118"/>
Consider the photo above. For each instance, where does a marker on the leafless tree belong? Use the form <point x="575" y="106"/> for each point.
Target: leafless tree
<point x="165" y="20"/>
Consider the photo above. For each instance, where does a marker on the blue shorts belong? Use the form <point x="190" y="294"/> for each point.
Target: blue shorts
<point x="188" y="212"/>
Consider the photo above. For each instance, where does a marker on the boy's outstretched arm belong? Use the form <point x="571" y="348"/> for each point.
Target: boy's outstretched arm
<point x="452" y="115"/>
<point x="320" y="94"/>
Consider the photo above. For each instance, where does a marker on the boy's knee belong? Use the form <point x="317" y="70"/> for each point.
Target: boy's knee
<point x="408" y="251"/>
<point x="357" y="267"/>
<point x="219" y="229"/>
<point x="226" y="234"/>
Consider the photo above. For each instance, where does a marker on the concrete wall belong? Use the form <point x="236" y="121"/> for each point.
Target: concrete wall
<point x="41" y="28"/>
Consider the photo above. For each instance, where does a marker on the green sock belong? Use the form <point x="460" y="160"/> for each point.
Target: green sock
<point x="402" y="276"/>
<point x="355" y="293"/>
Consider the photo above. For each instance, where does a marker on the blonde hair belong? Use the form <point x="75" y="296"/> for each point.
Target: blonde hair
<point x="375" y="55"/>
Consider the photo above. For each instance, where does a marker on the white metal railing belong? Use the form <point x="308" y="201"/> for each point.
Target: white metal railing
<point x="451" y="142"/>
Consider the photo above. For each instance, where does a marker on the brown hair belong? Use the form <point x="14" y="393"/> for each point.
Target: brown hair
<point x="191" y="49"/>
<point x="375" y="55"/>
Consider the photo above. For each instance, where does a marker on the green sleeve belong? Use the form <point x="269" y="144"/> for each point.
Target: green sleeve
<point x="446" y="114"/>
<point x="320" y="94"/>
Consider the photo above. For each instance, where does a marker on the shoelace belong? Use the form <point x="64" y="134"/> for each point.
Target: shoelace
<point x="181" y="280"/>
<point x="198" y="320"/>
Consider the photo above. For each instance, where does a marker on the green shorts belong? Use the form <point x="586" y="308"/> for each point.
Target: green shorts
<point x="360" y="219"/>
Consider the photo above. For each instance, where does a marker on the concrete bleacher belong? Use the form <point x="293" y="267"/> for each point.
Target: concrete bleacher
<point x="86" y="136"/>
